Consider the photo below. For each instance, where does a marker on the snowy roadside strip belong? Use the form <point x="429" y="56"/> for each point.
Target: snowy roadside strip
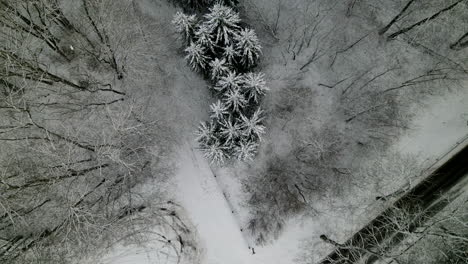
<point x="225" y="53"/>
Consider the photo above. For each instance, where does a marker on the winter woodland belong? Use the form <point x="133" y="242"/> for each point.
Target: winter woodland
<point x="233" y="131"/>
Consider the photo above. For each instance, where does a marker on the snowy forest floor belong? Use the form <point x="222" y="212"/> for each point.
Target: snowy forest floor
<point x="214" y="199"/>
<point x="215" y="207"/>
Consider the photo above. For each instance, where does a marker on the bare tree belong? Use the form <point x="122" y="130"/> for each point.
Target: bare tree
<point x="274" y="197"/>
<point x="74" y="149"/>
<point x="37" y="18"/>
<point x="396" y="18"/>
<point x="88" y="32"/>
<point x="95" y="12"/>
<point x="439" y="239"/>
<point x="286" y="187"/>
<point x="39" y="207"/>
<point x="424" y="20"/>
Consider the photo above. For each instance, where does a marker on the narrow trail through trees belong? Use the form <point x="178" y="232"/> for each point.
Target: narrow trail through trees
<point x="209" y="210"/>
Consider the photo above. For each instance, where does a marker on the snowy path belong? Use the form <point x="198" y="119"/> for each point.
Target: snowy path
<point x="200" y="195"/>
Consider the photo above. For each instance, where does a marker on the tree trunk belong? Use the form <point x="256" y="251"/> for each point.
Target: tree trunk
<point x="423" y="21"/>
<point x="461" y="43"/>
<point x="395" y="19"/>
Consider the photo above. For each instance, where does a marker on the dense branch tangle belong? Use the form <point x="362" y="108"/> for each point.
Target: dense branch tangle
<point x="61" y="173"/>
<point x="45" y="21"/>
<point x="65" y="180"/>
<point x="71" y="148"/>
<point x="63" y="183"/>
<point x="20" y="66"/>
<point x="40" y="18"/>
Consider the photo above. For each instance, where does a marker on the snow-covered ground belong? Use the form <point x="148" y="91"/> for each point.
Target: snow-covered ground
<point x="446" y="116"/>
<point x="215" y="206"/>
<point x="198" y="192"/>
<point x="210" y="201"/>
<point x="222" y="238"/>
<point x="438" y="128"/>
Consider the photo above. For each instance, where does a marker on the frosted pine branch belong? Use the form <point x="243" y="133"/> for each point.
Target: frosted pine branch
<point x="185" y="25"/>
<point x="245" y="151"/>
<point x="223" y="23"/>
<point x="196" y="57"/>
<point x="218" y="110"/>
<point x="234" y="99"/>
<point x="205" y="132"/>
<point x="231" y="81"/>
<point x="248" y="47"/>
<point x="215" y="152"/>
<point x="219" y="68"/>
<point x="254" y="86"/>
<point x="253" y="126"/>
<point x="230" y="130"/>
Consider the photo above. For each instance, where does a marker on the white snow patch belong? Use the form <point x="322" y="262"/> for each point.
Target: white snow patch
<point x="437" y="128"/>
<point x="200" y="195"/>
<point x="223" y="242"/>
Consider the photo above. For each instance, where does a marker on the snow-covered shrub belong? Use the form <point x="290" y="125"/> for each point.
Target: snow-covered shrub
<point x="218" y="68"/>
<point x="223" y="23"/>
<point x="254" y="86"/>
<point x="248" y="47"/>
<point x="196" y="56"/>
<point x="185" y="25"/>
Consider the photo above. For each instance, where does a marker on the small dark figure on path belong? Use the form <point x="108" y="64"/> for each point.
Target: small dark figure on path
<point x="253" y="251"/>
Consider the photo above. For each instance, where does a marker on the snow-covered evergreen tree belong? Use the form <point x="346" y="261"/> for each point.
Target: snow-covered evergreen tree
<point x="199" y="4"/>
<point x="185" y="25"/>
<point x="245" y="150"/>
<point x="215" y="152"/>
<point x="230" y="81"/>
<point x="223" y="23"/>
<point x="196" y="56"/>
<point x="248" y="47"/>
<point x="218" y="68"/>
<point x="229" y="54"/>
<point x="205" y="132"/>
<point x="221" y="48"/>
<point x="234" y="99"/>
<point x="218" y="110"/>
<point x="229" y="130"/>
<point x="228" y="2"/>
<point x="196" y="4"/>
<point x="204" y="37"/>
<point x="254" y="86"/>
<point x="252" y="127"/>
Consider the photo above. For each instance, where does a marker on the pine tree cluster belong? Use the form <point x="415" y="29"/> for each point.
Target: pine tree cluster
<point x="226" y="53"/>
<point x="200" y="4"/>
